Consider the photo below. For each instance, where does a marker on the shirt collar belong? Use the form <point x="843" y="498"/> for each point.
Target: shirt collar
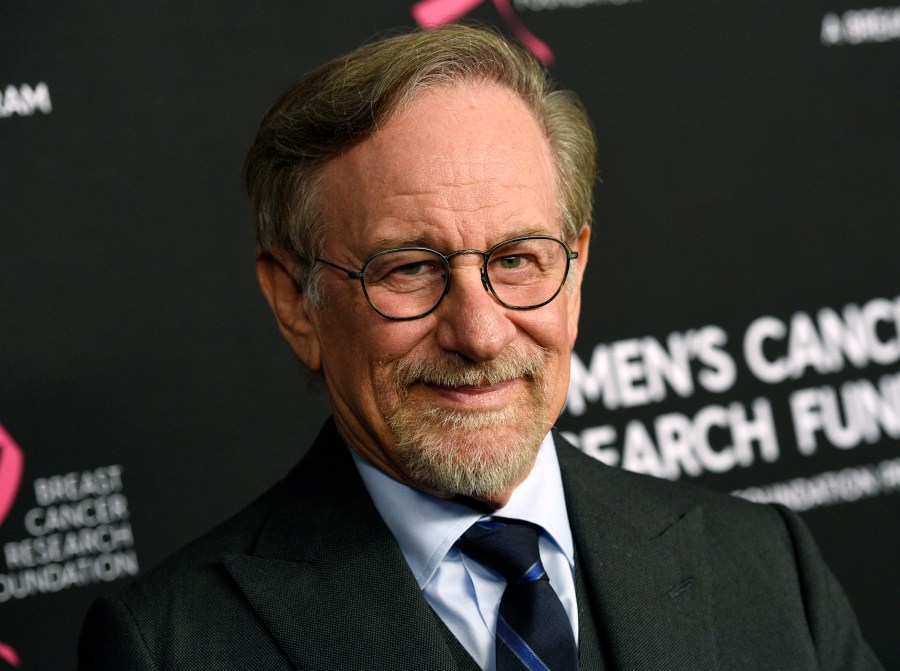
<point x="426" y="527"/>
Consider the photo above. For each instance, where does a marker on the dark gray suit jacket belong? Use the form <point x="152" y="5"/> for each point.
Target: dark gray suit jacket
<point x="309" y="577"/>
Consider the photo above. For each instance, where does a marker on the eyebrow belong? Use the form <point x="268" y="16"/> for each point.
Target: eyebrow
<point x="386" y="242"/>
<point x="382" y="243"/>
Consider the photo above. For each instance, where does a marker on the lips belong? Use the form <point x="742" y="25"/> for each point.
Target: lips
<point x="476" y="396"/>
<point x="452" y="382"/>
<point x="481" y="388"/>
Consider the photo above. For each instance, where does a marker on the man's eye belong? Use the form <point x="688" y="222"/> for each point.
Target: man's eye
<point x="411" y="269"/>
<point x="418" y="271"/>
<point x="510" y="262"/>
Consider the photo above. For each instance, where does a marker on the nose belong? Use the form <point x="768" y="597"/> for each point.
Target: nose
<point x="471" y="322"/>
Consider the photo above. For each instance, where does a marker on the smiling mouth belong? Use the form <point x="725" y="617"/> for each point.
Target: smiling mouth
<point x="471" y="388"/>
<point x="482" y="396"/>
<point x="456" y="382"/>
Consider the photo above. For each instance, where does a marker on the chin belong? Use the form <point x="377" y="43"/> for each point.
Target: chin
<point x="475" y="454"/>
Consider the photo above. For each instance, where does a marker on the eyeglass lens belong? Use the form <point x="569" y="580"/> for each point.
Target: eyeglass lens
<point x="408" y="283"/>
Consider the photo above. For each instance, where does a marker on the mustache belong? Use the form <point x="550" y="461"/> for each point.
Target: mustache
<point x="454" y="370"/>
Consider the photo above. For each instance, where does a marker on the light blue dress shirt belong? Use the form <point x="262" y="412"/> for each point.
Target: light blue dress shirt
<point x="465" y="594"/>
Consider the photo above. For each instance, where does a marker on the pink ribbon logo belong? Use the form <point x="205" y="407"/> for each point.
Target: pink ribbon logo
<point x="12" y="462"/>
<point x="9" y="655"/>
<point x="11" y="466"/>
<point x="435" y="13"/>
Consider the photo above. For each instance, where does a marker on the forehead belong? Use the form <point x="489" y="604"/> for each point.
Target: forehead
<point x="463" y="162"/>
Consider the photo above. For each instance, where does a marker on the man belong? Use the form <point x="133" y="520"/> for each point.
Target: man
<point x="422" y="209"/>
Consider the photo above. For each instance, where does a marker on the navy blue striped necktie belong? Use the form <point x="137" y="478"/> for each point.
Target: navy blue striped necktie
<point x="533" y="631"/>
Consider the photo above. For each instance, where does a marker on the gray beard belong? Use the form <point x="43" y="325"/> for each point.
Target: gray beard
<point x="476" y="453"/>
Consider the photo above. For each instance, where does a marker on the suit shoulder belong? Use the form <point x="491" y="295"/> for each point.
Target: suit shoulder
<point x="647" y="501"/>
<point x="195" y="567"/>
<point x="146" y="624"/>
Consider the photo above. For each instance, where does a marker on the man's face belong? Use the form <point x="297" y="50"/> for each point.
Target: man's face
<point x="456" y="402"/>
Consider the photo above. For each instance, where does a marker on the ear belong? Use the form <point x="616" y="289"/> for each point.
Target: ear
<point x="582" y="243"/>
<point x="295" y="317"/>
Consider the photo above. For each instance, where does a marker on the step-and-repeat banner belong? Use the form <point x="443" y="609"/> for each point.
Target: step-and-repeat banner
<point x="741" y="323"/>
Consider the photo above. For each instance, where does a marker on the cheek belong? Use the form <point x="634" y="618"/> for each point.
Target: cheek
<point x="344" y="345"/>
<point x="385" y="344"/>
<point x="549" y="327"/>
<point x="360" y="347"/>
<point x="387" y="341"/>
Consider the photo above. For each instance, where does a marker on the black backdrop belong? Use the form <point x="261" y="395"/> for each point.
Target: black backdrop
<point x="741" y="323"/>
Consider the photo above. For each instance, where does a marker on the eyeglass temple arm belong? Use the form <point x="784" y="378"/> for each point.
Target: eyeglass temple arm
<point x="352" y="274"/>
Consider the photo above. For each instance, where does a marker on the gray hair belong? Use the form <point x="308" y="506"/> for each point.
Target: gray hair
<point x="346" y="100"/>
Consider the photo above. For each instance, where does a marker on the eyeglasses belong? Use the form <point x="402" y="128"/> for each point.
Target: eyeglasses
<point x="410" y="282"/>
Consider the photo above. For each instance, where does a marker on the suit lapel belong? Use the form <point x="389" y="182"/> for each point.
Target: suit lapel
<point x="324" y="556"/>
<point x="590" y="651"/>
<point x="328" y="581"/>
<point x="644" y="565"/>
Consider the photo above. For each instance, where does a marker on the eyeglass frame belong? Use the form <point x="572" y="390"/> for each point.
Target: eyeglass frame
<point x="485" y="278"/>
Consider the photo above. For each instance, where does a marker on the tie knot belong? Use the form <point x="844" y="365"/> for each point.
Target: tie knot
<point x="509" y="548"/>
